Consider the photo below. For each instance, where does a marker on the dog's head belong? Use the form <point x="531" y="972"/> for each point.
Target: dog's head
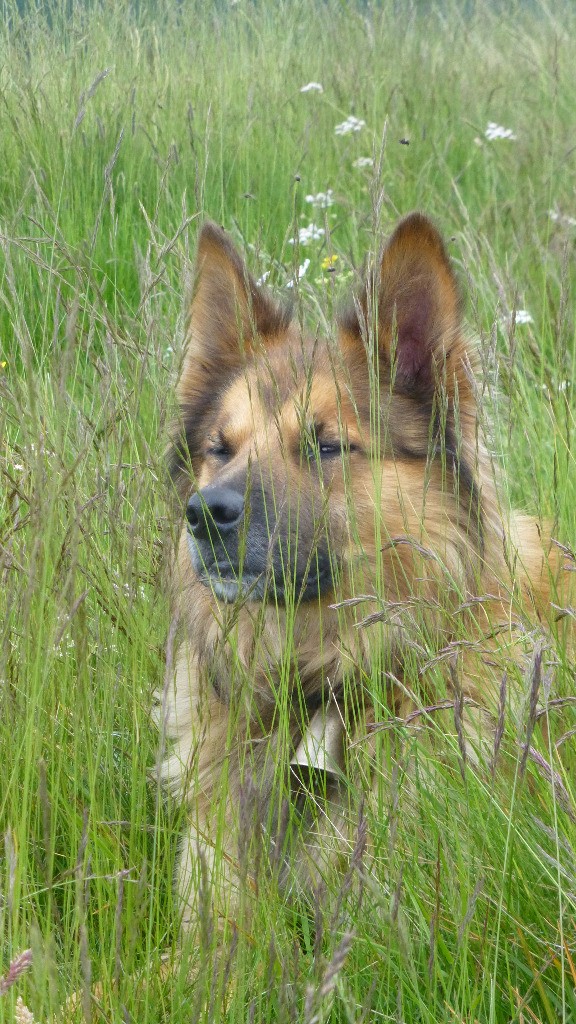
<point x="302" y="458"/>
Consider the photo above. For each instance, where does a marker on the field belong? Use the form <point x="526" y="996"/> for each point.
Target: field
<point x="122" y="126"/>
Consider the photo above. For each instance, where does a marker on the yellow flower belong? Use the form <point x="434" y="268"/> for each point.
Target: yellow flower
<point x="328" y="262"/>
<point x="3" y="364"/>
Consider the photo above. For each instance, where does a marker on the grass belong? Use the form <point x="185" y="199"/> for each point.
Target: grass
<point x="122" y="127"/>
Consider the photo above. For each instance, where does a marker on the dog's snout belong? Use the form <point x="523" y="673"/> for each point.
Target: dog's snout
<point x="215" y="509"/>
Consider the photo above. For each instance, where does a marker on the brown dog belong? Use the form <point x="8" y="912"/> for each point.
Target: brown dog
<point x="330" y="483"/>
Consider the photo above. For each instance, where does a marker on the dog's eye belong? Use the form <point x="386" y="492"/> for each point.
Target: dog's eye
<point x="331" y="448"/>
<point x="321" y="443"/>
<point x="217" y="448"/>
<point x="327" y="448"/>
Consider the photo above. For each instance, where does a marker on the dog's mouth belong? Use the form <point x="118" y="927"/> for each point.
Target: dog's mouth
<point x="231" y="583"/>
<point x="230" y="588"/>
<point x="222" y="577"/>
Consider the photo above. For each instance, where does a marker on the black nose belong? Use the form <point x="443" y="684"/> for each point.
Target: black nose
<point x="214" y="510"/>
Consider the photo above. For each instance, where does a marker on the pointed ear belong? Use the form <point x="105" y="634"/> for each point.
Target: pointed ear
<point x="228" y="313"/>
<point x="230" y="317"/>
<point x="414" y="298"/>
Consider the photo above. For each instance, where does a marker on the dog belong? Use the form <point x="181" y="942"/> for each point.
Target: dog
<point x="344" y="563"/>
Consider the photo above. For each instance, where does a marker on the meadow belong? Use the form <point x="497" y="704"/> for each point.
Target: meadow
<point x="306" y="130"/>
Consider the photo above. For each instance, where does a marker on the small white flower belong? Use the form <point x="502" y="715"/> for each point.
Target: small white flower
<point x="310" y="234"/>
<point x="300" y="273"/>
<point x="363" y="161"/>
<point x="312" y="87"/>
<point x="524" y="317"/>
<point x="351" y="124"/>
<point x="264" y="278"/>
<point x="564" y="385"/>
<point x="562" y="218"/>
<point x="496" y="131"/>
<point x="322" y="199"/>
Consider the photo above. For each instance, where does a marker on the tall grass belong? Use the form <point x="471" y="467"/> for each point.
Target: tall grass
<point x="122" y="126"/>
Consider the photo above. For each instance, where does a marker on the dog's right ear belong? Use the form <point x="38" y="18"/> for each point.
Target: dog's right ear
<point x="230" y="317"/>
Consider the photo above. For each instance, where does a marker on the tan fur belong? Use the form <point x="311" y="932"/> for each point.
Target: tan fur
<point x="408" y="510"/>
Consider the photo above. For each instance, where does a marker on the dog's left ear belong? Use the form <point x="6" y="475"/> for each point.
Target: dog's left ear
<point x="412" y="300"/>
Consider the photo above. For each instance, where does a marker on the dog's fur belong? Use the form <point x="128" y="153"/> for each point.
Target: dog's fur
<point x="332" y="482"/>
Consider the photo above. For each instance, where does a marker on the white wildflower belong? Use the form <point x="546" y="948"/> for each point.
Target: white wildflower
<point x="564" y="385"/>
<point x="351" y="124"/>
<point x="264" y="278"/>
<point x="312" y="87"/>
<point x="524" y="317"/>
<point x="496" y="131"/>
<point x="363" y="161"/>
<point x="562" y="218"/>
<point x="310" y="234"/>
<point x="322" y="199"/>
<point x="300" y="273"/>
